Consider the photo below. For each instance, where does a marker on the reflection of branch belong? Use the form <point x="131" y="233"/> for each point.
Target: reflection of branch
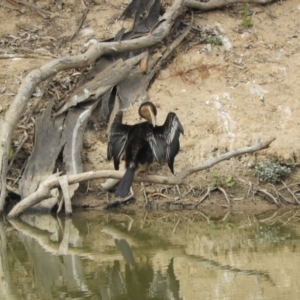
<point x="43" y="240"/>
<point x="64" y="245"/>
<point x="207" y="218"/>
<point x="290" y="218"/>
<point x="7" y="292"/>
<point x="229" y="268"/>
<point x="269" y="218"/>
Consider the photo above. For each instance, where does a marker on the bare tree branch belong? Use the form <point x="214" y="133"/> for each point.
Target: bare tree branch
<point x="213" y="4"/>
<point x="256" y="147"/>
<point x="269" y="195"/>
<point x="53" y="181"/>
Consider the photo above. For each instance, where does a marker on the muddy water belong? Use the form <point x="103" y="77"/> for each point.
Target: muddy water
<point x="174" y="255"/>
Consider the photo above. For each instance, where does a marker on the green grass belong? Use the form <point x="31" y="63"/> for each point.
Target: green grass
<point x="247" y="18"/>
<point x="214" y="40"/>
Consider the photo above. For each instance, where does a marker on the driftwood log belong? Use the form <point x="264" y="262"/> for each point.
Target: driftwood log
<point x="160" y="31"/>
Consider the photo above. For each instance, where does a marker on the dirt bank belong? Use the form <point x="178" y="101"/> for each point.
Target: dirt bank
<point x="226" y="96"/>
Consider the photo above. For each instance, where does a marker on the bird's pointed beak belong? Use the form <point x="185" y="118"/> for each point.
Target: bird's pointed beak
<point x="153" y="118"/>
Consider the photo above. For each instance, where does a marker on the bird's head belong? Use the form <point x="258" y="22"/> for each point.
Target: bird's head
<point x="148" y="111"/>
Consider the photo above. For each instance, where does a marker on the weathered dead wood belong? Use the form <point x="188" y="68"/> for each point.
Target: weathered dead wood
<point x="51" y="182"/>
<point x="266" y="193"/>
<point x="213" y="4"/>
<point x="263" y="191"/>
<point x="290" y="191"/>
<point x="168" y="52"/>
<point x="256" y="147"/>
<point x="102" y="82"/>
<point x="49" y="140"/>
<point x="209" y="190"/>
<point x="36" y="76"/>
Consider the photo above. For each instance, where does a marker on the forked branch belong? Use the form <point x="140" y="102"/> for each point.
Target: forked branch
<point x="51" y="182"/>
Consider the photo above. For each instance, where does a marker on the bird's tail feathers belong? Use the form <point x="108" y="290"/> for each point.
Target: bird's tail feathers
<point x="125" y="183"/>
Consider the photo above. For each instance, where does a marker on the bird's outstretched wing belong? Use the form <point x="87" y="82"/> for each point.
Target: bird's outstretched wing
<point x="164" y="140"/>
<point x="117" y="139"/>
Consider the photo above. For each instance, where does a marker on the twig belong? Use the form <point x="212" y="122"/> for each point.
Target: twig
<point x="170" y="50"/>
<point x="80" y="24"/>
<point x="269" y="195"/>
<point x="207" y="218"/>
<point x="12" y="190"/>
<point x="293" y="195"/>
<point x="160" y="194"/>
<point x="209" y="190"/>
<point x="118" y="203"/>
<point x="189" y="190"/>
<point x="250" y="187"/>
<point x="130" y="222"/>
<point x="178" y="190"/>
<point x="226" y="216"/>
<point x="290" y="218"/>
<point x="87" y="188"/>
<point x="174" y="229"/>
<point x="20" y="173"/>
<point x="280" y="195"/>
<point x="12" y="8"/>
<point x="40" y="11"/>
<point x="285" y="186"/>
<point x="144" y="192"/>
<point x="18" y="149"/>
<point x="225" y="194"/>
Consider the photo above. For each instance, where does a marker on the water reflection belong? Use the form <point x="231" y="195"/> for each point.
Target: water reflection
<point x="151" y="256"/>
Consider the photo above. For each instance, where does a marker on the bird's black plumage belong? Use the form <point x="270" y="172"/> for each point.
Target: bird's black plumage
<point x="142" y="143"/>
